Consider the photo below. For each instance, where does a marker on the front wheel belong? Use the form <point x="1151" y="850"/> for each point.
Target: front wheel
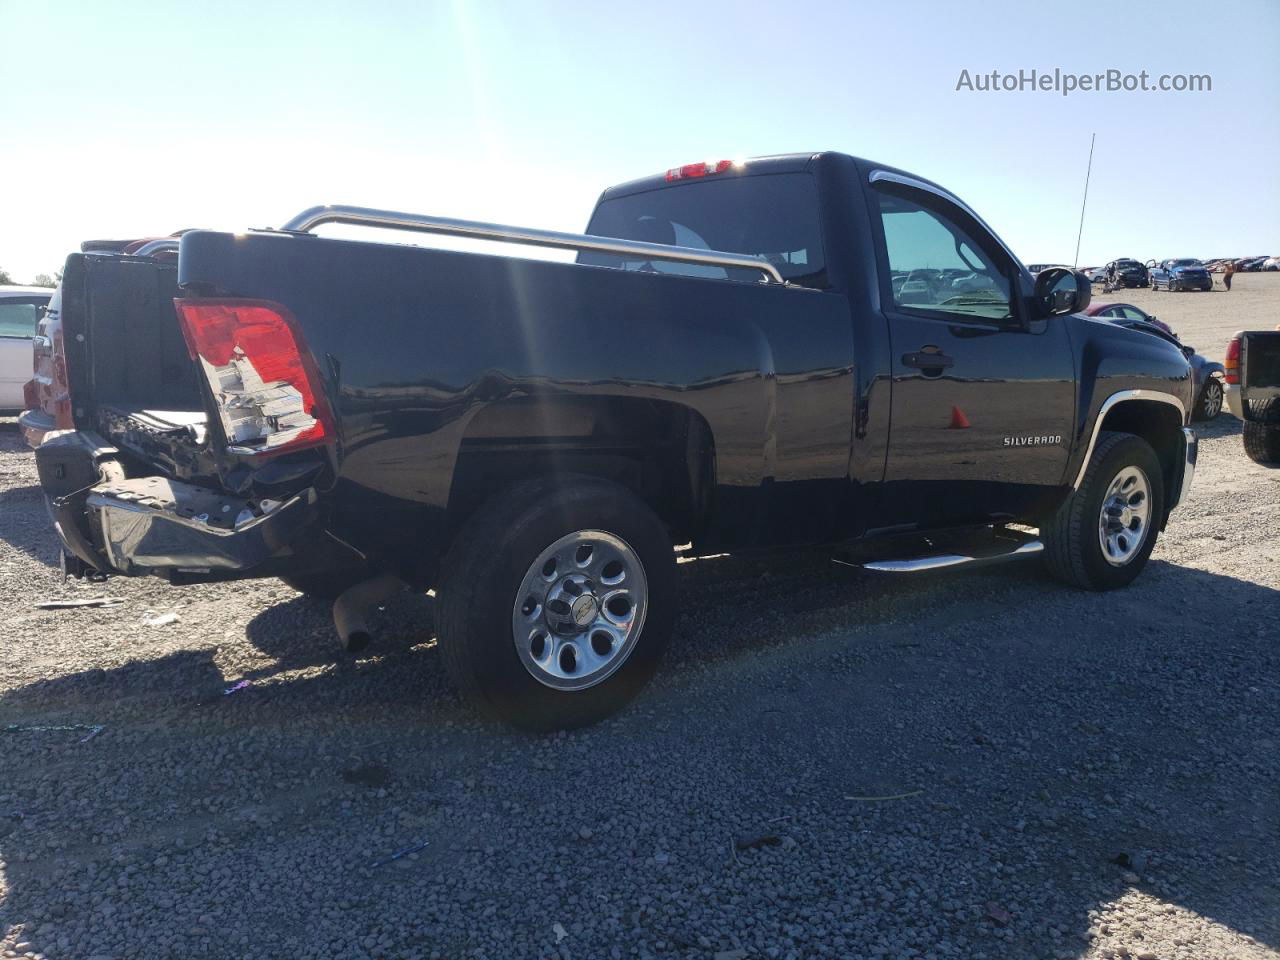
<point x="557" y="602"/>
<point x="1101" y="538"/>
<point x="1210" y="403"/>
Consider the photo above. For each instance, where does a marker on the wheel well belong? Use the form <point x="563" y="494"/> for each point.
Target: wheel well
<point x="663" y="452"/>
<point x="1160" y="425"/>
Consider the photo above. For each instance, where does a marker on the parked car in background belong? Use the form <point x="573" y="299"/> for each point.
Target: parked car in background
<point x="45" y="401"/>
<point x="1253" y="391"/>
<point x="1209" y="375"/>
<point x="1271" y="263"/>
<point x="1186" y="273"/>
<point x="1096" y="274"/>
<point x="1126" y="273"/>
<point x="20" y="309"/>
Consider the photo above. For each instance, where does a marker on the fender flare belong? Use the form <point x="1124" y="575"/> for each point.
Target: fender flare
<point x="1117" y="398"/>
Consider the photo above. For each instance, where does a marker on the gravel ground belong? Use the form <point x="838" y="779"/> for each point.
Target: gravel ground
<point x="830" y="763"/>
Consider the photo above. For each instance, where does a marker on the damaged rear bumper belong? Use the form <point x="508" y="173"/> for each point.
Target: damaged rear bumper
<point x="154" y="525"/>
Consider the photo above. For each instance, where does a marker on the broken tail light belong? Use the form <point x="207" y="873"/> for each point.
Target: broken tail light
<point x="264" y="382"/>
<point x="1231" y="363"/>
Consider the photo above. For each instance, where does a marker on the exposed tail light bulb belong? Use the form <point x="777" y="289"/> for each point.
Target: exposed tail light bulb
<point x="264" y="382"/>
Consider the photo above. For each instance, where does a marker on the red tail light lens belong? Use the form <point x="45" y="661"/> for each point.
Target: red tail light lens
<point x="264" y="381"/>
<point x="1231" y="364"/>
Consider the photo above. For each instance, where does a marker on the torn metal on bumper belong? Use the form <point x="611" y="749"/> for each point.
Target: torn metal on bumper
<point x="157" y="525"/>
<point x="154" y="524"/>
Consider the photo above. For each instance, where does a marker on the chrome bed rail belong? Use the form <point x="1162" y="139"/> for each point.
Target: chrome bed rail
<point x="365" y="216"/>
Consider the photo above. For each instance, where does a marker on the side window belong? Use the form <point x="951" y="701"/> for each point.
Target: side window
<point x="936" y="266"/>
<point x="18" y="319"/>
<point x="1131" y="313"/>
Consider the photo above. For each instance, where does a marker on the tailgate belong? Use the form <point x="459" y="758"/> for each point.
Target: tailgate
<point x="130" y="375"/>
<point x="1260" y="375"/>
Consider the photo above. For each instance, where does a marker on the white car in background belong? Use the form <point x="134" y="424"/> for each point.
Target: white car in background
<point x="19" y="312"/>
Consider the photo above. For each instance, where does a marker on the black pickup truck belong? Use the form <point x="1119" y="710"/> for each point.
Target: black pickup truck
<point x="805" y="349"/>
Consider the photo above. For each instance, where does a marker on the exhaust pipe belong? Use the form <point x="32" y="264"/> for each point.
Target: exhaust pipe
<point x="353" y="603"/>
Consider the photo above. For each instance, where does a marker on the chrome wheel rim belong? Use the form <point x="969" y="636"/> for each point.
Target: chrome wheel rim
<point x="1125" y="516"/>
<point x="1212" y="399"/>
<point x="579" y="610"/>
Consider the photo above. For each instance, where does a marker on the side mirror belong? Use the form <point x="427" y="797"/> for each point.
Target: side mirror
<point x="1059" y="290"/>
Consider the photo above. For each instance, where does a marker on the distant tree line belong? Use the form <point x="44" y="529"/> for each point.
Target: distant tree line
<point x="41" y="280"/>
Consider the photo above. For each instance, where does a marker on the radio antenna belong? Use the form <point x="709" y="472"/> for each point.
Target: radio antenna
<point x="1085" y="200"/>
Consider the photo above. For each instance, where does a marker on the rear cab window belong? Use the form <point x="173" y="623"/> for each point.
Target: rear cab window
<point x="775" y="216"/>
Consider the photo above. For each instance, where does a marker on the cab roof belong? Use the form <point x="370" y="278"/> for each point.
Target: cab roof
<point x="755" y="166"/>
<point x="779" y="163"/>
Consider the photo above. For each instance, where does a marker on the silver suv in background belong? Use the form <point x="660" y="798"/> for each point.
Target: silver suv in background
<point x="20" y="310"/>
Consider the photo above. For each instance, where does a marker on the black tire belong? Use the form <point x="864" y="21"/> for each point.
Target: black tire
<point x="483" y="572"/>
<point x="1209" y="403"/>
<point x="1262" y="442"/>
<point x="1073" y="552"/>
<point x="327" y="585"/>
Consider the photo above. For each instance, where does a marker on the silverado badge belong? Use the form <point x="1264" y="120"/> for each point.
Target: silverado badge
<point x="1031" y="441"/>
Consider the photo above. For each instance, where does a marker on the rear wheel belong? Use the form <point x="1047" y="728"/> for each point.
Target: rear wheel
<point x="1262" y="442"/>
<point x="1101" y="538"/>
<point x="557" y="602"/>
<point x="1209" y="404"/>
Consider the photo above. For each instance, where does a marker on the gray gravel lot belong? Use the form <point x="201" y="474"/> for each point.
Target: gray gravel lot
<point x="1028" y="737"/>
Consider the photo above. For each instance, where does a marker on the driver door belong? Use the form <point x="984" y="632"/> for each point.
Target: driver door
<point x="983" y="397"/>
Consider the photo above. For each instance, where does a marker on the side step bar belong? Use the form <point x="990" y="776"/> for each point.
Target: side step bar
<point x="1008" y="546"/>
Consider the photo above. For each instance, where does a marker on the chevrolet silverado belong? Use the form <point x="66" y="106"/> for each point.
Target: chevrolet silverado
<point x="803" y="349"/>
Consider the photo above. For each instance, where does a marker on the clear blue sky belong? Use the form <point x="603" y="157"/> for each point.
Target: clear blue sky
<point x="127" y="119"/>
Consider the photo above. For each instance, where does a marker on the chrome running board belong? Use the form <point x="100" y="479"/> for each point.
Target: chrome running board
<point x="945" y="560"/>
<point x="942" y="552"/>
